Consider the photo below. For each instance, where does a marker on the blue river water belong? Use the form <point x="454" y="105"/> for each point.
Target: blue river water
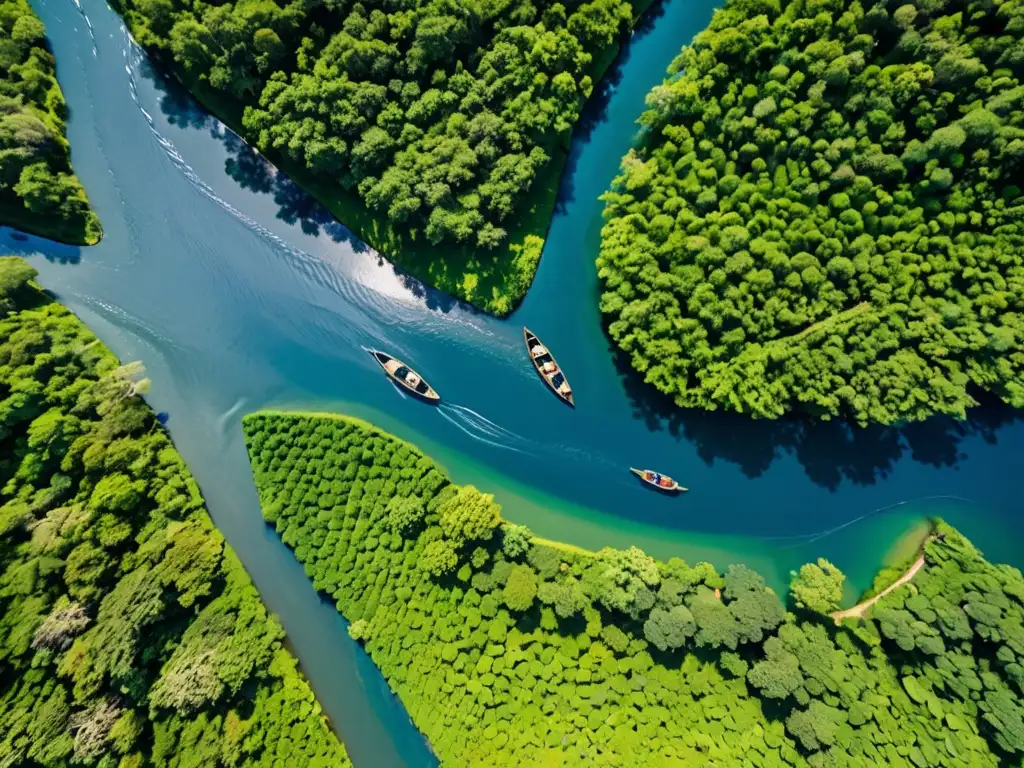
<point x="238" y="292"/>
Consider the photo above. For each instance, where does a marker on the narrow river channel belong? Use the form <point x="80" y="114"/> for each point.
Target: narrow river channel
<point x="237" y="292"/>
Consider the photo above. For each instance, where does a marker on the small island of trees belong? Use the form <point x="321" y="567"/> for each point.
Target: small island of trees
<point x="436" y="130"/>
<point x="130" y="634"/>
<point x="39" y="191"/>
<point x="825" y="213"/>
<point x="508" y="650"/>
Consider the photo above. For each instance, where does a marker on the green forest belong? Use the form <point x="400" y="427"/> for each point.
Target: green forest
<point x="824" y="213"/>
<point x="130" y="635"/>
<point x="39" y="191"/>
<point x="435" y="129"/>
<point x="507" y="650"/>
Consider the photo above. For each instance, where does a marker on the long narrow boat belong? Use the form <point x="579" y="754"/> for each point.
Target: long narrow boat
<point x="406" y="377"/>
<point x="547" y="367"/>
<point x="659" y="481"/>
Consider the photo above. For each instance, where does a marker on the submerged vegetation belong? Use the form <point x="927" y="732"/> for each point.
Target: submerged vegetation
<point x="130" y="635"/>
<point x="437" y="130"/>
<point x="825" y="213"/>
<point x="39" y="192"/>
<point x="508" y="650"/>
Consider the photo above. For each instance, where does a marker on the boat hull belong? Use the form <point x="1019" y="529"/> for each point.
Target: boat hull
<point x="531" y="340"/>
<point x="392" y="364"/>
<point x="667" y="489"/>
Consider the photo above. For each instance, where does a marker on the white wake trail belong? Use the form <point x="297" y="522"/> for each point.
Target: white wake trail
<point x="803" y="539"/>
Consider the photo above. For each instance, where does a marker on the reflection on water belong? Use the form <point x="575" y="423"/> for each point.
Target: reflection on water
<point x="830" y="452"/>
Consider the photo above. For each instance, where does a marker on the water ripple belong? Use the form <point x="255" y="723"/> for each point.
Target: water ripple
<point x="810" y="538"/>
<point x="314" y="269"/>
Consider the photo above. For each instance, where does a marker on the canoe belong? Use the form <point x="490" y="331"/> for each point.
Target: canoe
<point x="555" y="378"/>
<point x="406" y="377"/>
<point x="647" y="476"/>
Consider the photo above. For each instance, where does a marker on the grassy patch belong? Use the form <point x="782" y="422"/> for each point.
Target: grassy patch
<point x="899" y="558"/>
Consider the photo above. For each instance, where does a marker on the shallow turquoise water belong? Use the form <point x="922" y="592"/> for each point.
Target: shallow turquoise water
<point x="238" y="293"/>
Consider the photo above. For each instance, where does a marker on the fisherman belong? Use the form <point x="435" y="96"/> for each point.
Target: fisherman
<point x="538" y="350"/>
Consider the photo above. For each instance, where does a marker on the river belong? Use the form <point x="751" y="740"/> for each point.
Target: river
<point x="238" y="292"/>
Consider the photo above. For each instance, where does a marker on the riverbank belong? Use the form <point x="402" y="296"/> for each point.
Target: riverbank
<point x="49" y="227"/>
<point x="566" y="525"/>
<point x="545" y="653"/>
<point x="860" y="609"/>
<point x="40" y="193"/>
<point x="494" y="281"/>
<point x="138" y="635"/>
<point x="905" y="558"/>
<point x="900" y="557"/>
<point x="234" y="306"/>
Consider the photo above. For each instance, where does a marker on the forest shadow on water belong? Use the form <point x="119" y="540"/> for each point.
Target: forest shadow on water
<point x="830" y="452"/>
<point x="253" y="172"/>
<point x="247" y="167"/>
<point x="595" y="109"/>
<point x="17" y="243"/>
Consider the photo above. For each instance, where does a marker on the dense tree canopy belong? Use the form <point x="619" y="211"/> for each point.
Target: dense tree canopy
<point x="550" y="655"/>
<point x="38" y="190"/>
<point x="440" y="115"/>
<point x="130" y="635"/>
<point x="817" y="586"/>
<point x="825" y="213"/>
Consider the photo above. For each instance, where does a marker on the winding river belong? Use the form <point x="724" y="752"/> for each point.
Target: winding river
<point x="238" y="292"/>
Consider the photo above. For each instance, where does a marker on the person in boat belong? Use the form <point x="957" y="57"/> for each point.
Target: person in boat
<point x="665" y="482"/>
<point x="654" y="477"/>
<point x="538" y="350"/>
<point x="412" y="379"/>
<point x="564" y="389"/>
<point x="549" y="368"/>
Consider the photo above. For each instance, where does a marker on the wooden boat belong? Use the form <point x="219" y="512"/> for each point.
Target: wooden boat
<point x="651" y="478"/>
<point x="406" y="377"/>
<point x="555" y="379"/>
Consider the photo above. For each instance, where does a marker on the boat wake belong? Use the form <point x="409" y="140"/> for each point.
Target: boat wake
<point x="317" y="270"/>
<point x="88" y="24"/>
<point x="132" y="324"/>
<point x="482" y="429"/>
<point x="803" y="539"/>
<point x="230" y="417"/>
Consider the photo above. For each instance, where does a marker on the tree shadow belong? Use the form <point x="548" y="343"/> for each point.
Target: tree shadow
<point x="176" y="103"/>
<point x="16" y="243"/>
<point x="595" y="110"/>
<point x="434" y="300"/>
<point x="830" y="452"/>
<point x="253" y="172"/>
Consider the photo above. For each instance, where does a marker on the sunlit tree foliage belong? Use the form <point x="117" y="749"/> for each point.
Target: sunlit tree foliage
<point x="550" y="655"/>
<point x="38" y="189"/>
<point x="439" y="115"/>
<point x="825" y="213"/>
